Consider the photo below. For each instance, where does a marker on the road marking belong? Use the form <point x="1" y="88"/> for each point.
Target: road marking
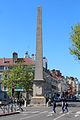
<point x="24" y="114"/>
<point x="30" y="112"/>
<point x="59" y="117"/>
<point x="62" y="115"/>
<point x="35" y="111"/>
<point x="68" y="112"/>
<point x="77" y="114"/>
<point x="33" y="115"/>
<point x="50" y="114"/>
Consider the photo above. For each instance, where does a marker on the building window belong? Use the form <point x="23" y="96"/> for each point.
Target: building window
<point x="6" y="61"/>
<point x="6" y="68"/>
<point x="5" y="88"/>
<point x="1" y="68"/>
<point x="0" y="77"/>
<point x="53" y="87"/>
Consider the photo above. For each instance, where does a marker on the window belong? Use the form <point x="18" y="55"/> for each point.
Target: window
<point x="5" y="88"/>
<point x="6" y="61"/>
<point x="1" y="68"/>
<point x="6" y="68"/>
<point x="0" y="77"/>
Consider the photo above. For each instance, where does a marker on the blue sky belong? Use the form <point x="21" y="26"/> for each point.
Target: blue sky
<point x="18" y="31"/>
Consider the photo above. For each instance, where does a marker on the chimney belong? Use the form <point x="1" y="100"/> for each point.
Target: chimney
<point x="45" y="62"/>
<point x="33" y="57"/>
<point x="26" y="55"/>
<point x="3" y="60"/>
<point x="15" y="56"/>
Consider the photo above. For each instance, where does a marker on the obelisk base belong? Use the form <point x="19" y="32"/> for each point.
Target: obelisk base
<point x="38" y="101"/>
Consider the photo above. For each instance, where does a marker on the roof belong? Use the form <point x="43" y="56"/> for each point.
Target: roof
<point x="10" y="61"/>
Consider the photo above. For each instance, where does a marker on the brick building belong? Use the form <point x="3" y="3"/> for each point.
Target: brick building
<point x="50" y="82"/>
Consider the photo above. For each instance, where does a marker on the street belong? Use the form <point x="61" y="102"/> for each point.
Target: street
<point x="45" y="113"/>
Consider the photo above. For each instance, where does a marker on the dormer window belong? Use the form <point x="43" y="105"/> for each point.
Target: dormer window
<point x="6" y="61"/>
<point x="6" y="68"/>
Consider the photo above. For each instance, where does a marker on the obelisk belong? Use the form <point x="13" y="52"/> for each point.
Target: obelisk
<point x="39" y="61"/>
<point x="38" y="82"/>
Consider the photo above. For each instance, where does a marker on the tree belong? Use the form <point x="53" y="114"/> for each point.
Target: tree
<point x="19" y="75"/>
<point x="75" y="37"/>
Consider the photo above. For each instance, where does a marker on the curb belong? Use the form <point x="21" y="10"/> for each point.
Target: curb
<point x="11" y="113"/>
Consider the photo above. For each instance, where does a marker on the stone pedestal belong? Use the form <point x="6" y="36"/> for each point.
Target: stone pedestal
<point x="38" y="101"/>
<point x="38" y="93"/>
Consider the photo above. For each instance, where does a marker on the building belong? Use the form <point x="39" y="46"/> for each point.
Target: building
<point x="73" y="86"/>
<point x="7" y="63"/>
<point x="50" y="86"/>
<point x="61" y="81"/>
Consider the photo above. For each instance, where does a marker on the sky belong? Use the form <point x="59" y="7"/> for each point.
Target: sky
<point x="18" y="31"/>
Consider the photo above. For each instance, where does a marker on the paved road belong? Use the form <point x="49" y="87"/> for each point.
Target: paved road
<point x="44" y="113"/>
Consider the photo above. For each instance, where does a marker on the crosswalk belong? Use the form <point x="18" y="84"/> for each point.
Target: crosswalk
<point x="58" y="115"/>
<point x="76" y="114"/>
<point x="32" y="114"/>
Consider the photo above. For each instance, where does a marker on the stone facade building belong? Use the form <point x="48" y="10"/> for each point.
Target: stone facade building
<point x="61" y="81"/>
<point x="73" y="86"/>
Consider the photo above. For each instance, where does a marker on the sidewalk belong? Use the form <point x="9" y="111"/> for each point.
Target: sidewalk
<point x="11" y="113"/>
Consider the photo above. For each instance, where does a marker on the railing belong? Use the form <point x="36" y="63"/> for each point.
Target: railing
<point x="10" y="108"/>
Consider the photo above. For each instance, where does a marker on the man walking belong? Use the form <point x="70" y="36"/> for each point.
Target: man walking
<point x="63" y="106"/>
<point x="66" y="106"/>
<point x="54" y="106"/>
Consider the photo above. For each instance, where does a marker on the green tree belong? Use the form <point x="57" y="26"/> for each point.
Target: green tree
<point x="75" y="37"/>
<point x="20" y="75"/>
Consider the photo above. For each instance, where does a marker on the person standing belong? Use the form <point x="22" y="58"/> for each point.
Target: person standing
<point x="20" y="104"/>
<point x="54" y="106"/>
<point x="63" y="106"/>
<point x="48" y="103"/>
<point x="66" y="106"/>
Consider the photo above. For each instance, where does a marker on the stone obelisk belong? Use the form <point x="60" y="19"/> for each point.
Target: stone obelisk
<point x="39" y="63"/>
<point x="38" y="83"/>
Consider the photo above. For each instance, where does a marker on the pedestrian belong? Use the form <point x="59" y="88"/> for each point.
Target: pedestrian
<point x="63" y="106"/>
<point x="54" y="106"/>
<point x="48" y="103"/>
<point x="20" y="104"/>
<point x="66" y="106"/>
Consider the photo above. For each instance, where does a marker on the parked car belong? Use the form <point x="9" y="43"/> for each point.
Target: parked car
<point x="73" y="99"/>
